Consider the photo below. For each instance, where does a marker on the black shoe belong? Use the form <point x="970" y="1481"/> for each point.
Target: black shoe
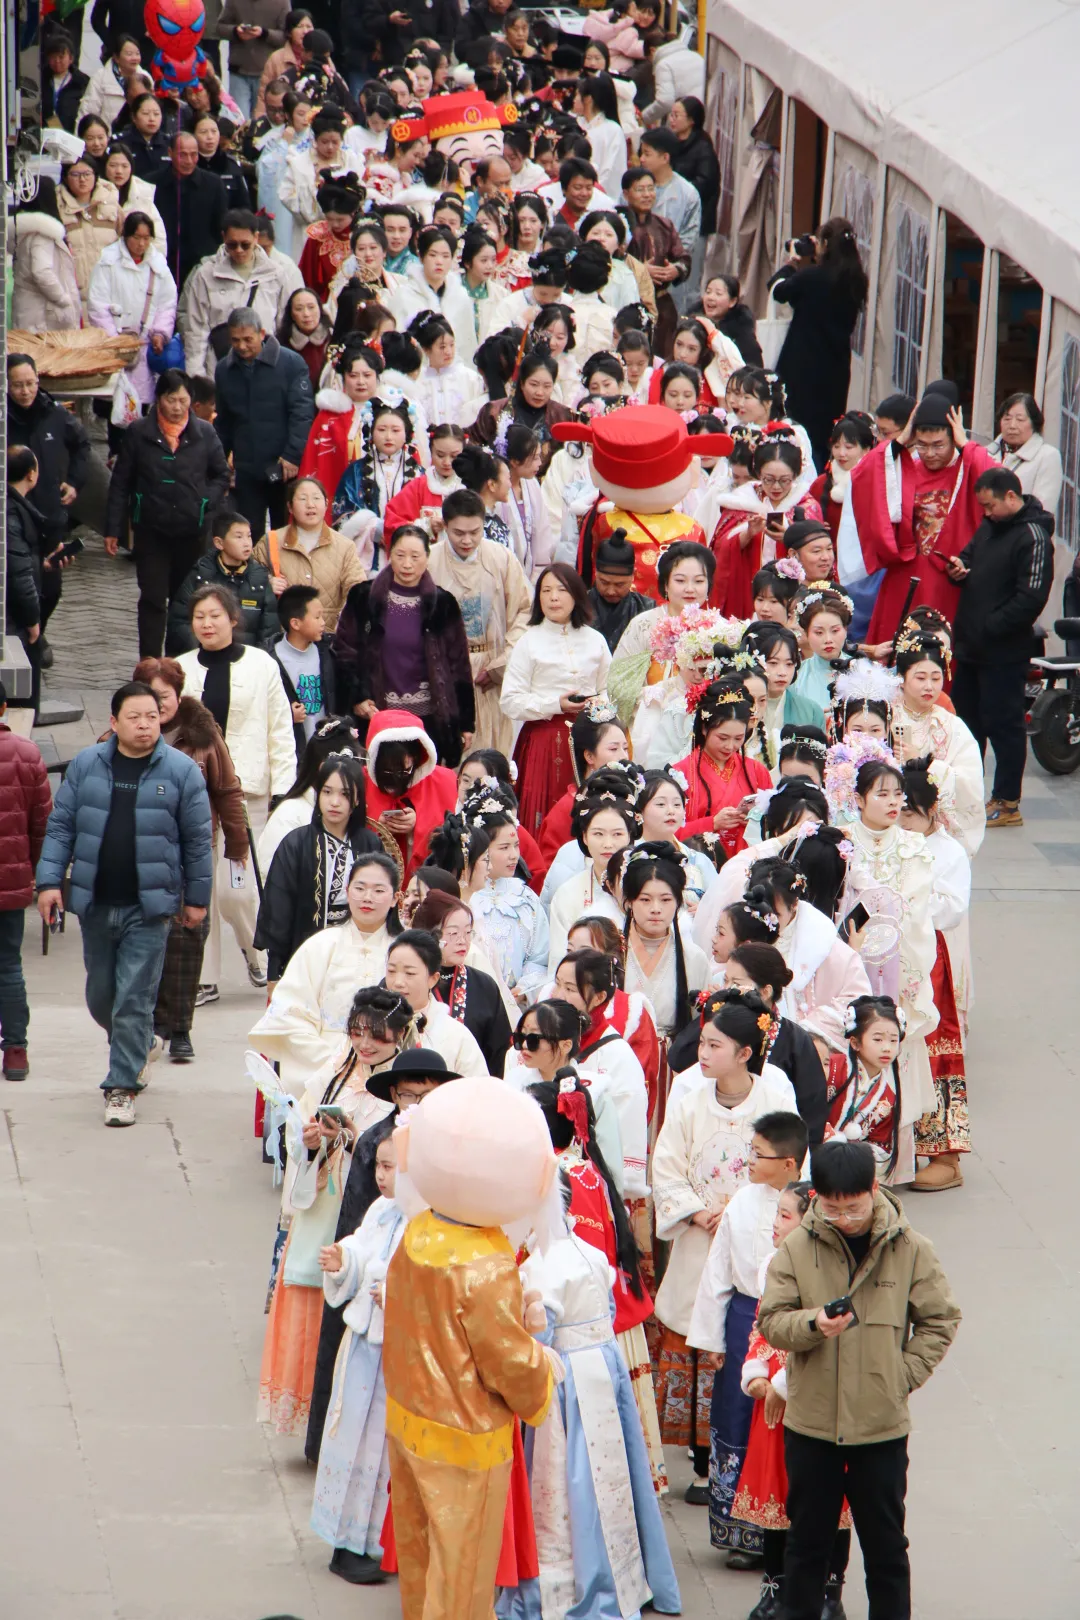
<point x="744" y="1560"/>
<point x="181" y="1049"/>
<point x="356" y="1567"/>
<point x="697" y="1494"/>
<point x="834" y="1606"/>
<point x="768" y="1605"/>
<point x="45" y="654"/>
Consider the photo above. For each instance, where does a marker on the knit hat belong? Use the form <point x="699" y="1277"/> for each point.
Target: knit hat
<point x="565" y="56"/>
<point x="615" y="555"/>
<point x="643" y="448"/>
<point x="948" y="390"/>
<point x="802" y="531"/>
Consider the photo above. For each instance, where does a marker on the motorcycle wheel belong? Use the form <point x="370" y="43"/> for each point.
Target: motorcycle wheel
<point x="1052" y="718"/>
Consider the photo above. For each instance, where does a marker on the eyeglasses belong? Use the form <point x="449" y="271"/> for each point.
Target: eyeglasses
<point x="530" y="1042"/>
<point x="405" y="1096"/>
<point x="457" y="936"/>
<point x="775" y="483"/>
<point x="840" y="1217"/>
<point x="754" y="1155"/>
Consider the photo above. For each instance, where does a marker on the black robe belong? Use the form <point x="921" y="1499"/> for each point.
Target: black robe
<point x="793" y="1051"/>
<point x="612" y="618"/>
<point x="293" y="902"/>
<point x="360" y="1193"/>
<point x="485" y="1015"/>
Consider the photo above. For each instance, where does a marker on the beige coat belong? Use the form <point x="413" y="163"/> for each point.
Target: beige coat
<point x="45" y="292"/>
<point x="495" y="600"/>
<point x="333" y="567"/>
<point x="90" y="228"/>
<point x="853" y="1389"/>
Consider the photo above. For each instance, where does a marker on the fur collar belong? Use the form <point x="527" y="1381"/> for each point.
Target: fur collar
<point x="34" y="224"/>
<point x="332" y="399"/>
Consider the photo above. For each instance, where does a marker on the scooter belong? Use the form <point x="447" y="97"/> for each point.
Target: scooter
<point x="1053" y="691"/>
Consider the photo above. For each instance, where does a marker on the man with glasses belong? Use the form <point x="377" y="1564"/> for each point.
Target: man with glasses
<point x="859" y="1301"/>
<point x="240" y="275"/>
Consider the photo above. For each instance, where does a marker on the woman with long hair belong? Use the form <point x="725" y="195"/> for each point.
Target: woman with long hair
<point x="921" y="728"/>
<point x="602" y="825"/>
<point x="597" y="738"/>
<point x="294" y="809"/>
<point x="510" y="920"/>
<point x="721" y="780"/>
<point x="435" y="285"/>
<point x="530" y="402"/>
<point x="660" y="963"/>
<point x="826" y="296"/>
<point x="305" y="328"/>
<point x="852" y="438"/>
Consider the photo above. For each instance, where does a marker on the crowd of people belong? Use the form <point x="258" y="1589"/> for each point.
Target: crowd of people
<point x="661" y="812"/>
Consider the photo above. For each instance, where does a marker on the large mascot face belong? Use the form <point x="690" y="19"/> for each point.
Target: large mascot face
<point x="478" y="1152"/>
<point x="466" y="126"/>
<point x="643" y="459"/>
<point x="175" y="26"/>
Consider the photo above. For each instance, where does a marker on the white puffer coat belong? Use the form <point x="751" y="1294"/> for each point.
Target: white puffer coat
<point x="45" y="294"/>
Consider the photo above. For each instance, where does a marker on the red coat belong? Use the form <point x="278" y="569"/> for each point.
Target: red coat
<point x="326" y="454"/>
<point x="736" y="565"/>
<point x="25" y="802"/>
<point x="712" y="790"/>
<point x="322" y="256"/>
<point x="431" y="796"/>
<point x="407" y="505"/>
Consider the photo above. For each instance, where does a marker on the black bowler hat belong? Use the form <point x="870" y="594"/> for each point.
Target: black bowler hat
<point x="418" y="1063"/>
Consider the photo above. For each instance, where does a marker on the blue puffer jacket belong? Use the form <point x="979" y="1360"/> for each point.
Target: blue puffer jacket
<point x="173" y="847"/>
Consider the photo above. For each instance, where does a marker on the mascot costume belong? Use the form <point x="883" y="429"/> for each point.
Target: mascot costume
<point x="176" y="26"/>
<point x="460" y="1364"/>
<point x="643" y="465"/>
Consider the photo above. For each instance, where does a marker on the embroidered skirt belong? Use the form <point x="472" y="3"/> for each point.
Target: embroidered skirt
<point x="948" y="1128"/>
<point x="684" y="1387"/>
<point x="545" y="765"/>
<point x="288" y="1361"/>
<point x="635" y="1349"/>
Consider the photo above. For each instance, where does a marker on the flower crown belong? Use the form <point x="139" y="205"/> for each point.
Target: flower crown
<point x="828" y="594"/>
<point x="842" y="762"/>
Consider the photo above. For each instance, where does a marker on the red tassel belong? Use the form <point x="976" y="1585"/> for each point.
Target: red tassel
<point x="572" y="1106"/>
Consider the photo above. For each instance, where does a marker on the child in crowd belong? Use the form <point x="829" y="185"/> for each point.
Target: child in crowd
<point x="304" y="654"/>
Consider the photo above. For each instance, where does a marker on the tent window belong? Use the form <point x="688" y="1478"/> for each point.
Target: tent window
<point x="912" y="267"/>
<point x="1069" y="515"/>
<point x="856" y="203"/>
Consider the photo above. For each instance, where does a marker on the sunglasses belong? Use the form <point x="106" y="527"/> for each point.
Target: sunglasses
<point x="531" y="1042"/>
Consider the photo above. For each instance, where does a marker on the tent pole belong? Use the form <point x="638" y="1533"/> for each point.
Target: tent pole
<point x="870" y="341"/>
<point x="1041" y="363"/>
<point x="936" y="220"/>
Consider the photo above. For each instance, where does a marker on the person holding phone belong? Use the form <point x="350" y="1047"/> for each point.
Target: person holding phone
<point x="754" y="518"/>
<point x="846" y="1420"/>
<point x="722" y="780"/>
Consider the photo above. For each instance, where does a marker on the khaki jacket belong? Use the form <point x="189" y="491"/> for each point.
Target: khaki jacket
<point x="853" y="1390"/>
<point x="333" y="567"/>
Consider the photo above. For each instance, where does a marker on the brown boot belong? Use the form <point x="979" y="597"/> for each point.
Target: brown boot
<point x="942" y="1173"/>
<point x="1004" y="813"/>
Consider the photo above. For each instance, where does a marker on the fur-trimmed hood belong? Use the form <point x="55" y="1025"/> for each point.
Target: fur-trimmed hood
<point x="398" y="725"/>
<point x="33" y="224"/>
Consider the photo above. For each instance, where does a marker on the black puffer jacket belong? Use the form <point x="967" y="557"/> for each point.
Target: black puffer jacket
<point x="1012" y="570"/>
<point x="293" y="905"/>
<point x="62" y="446"/>
<point x="255" y="598"/>
<point x="167" y="497"/>
<point x="23" y="599"/>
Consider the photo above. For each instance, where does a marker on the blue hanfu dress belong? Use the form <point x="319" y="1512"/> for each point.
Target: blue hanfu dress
<point x="814" y="681"/>
<point x="352" y="1485"/>
<point x="600" y="1537"/>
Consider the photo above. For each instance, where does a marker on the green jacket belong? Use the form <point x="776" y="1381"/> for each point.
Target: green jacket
<point x="853" y="1389"/>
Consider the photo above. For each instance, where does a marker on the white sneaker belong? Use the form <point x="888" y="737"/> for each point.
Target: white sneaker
<point x="119" y="1108"/>
<point x="256" y="975"/>
<point x="157" y="1046"/>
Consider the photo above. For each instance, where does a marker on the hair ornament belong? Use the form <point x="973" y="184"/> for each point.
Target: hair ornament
<point x="830" y="591"/>
<point x="845" y="848"/>
<point x="713" y="714"/>
<point x="849" y="1020"/>
<point x="668" y="633"/>
<point x="842" y="763"/>
<point x="790" y="568"/>
<point x="867" y="682"/>
<point x="600" y="711"/>
<point x="764" y="1023"/>
<point x="679" y="778"/>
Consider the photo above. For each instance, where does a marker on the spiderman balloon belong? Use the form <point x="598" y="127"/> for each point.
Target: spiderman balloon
<point x="176" y="26"/>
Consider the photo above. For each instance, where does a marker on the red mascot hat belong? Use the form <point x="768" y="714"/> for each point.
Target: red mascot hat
<point x="642" y="448"/>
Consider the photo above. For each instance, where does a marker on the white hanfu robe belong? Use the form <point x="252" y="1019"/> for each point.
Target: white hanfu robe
<point x="959" y="777"/>
<point x="303" y="1025"/>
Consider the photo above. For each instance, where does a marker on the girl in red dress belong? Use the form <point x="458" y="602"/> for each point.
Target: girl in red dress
<point x="762" y="1494"/>
<point x="753" y="520"/>
<point x="721" y="781"/>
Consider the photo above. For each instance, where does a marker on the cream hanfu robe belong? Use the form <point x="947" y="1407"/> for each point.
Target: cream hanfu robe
<point x="303" y="1025"/>
<point x="959" y="777"/>
<point x="730" y="885"/>
<point x="951" y="903"/>
<point x="701" y="1158"/>
<point x="493" y="593"/>
<point x="892" y="874"/>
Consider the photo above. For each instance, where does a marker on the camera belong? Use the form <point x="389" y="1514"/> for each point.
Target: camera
<point x="801" y="247"/>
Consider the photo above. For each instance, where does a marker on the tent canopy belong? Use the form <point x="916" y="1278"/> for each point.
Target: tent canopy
<point x="973" y="100"/>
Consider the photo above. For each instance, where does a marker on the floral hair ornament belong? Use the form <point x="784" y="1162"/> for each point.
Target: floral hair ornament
<point x="790" y="568"/>
<point x="827" y="595"/>
<point x="842" y="762"/>
<point x="864" y="681"/>
<point x="600" y="711"/>
<point x="573" y="1106"/>
<point x="668" y="632"/>
<point x="713" y="713"/>
<point x="679" y="779"/>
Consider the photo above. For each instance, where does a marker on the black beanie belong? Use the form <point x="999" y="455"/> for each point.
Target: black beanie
<point x="948" y="390"/>
<point x="798" y="534"/>
<point x="932" y="411"/>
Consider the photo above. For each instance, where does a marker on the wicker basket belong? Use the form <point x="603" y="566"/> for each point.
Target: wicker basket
<point x="87" y="357"/>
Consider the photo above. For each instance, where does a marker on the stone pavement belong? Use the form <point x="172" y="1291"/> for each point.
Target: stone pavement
<point x="133" y="1264"/>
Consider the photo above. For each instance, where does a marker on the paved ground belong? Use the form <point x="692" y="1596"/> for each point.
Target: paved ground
<point x="137" y="1485"/>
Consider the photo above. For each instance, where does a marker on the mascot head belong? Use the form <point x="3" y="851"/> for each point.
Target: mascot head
<point x="176" y="26"/>
<point x="478" y="1152"/>
<point x="643" y="460"/>
<point x="466" y="125"/>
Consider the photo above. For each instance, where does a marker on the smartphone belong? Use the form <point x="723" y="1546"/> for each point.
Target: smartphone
<point x="857" y="918"/>
<point x="332" y="1112"/>
<point x="236" y="874"/>
<point x="581" y="697"/>
<point x="56" y="917"/>
<point x="775" y="520"/>
<point x="70" y="548"/>
<point x="841" y="1307"/>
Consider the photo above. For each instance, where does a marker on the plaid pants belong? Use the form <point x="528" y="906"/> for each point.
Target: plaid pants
<point x="175" y="1010"/>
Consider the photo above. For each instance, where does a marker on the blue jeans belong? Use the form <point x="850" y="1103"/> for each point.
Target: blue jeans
<point x="123" y="954"/>
<point x="14" y="1012"/>
<point x="244" y="89"/>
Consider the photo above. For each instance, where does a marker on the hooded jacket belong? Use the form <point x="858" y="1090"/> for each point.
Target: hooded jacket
<point x="1012" y="570"/>
<point x="173" y="844"/>
<point x="91" y="227"/>
<point x="45" y="288"/>
<point x="432" y="792"/>
<point x="853" y="1389"/>
<point x="62" y="447"/>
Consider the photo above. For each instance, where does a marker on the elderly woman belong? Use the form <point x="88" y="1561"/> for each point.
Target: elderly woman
<point x="1021" y="448"/>
<point x="401" y="644"/>
<point x="132" y="290"/>
<point x="45" y="290"/>
<point x="91" y="215"/>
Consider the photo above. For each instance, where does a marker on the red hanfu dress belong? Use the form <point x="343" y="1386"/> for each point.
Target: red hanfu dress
<point x="719" y="787"/>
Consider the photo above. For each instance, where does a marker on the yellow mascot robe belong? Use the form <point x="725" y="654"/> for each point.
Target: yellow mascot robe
<point x="460" y="1369"/>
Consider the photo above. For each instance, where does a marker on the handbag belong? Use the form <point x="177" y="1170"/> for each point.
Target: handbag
<point x="219" y="334"/>
<point x="172" y="355"/>
<point x="126" y="404"/>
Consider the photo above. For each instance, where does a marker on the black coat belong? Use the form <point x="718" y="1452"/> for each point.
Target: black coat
<point x="1012" y="571"/>
<point x="293" y="897"/>
<point x="358" y="647"/>
<point x="793" y="1051"/>
<point x="328" y="678"/>
<point x="485" y="1015"/>
<point x="368" y="25"/>
<point x="696" y="161"/>
<point x="255" y="598"/>
<point x="231" y="176"/>
<point x="740" y="326"/>
<point x="62" y="447"/>
<point x="65" y="105"/>
<point x="265" y="409"/>
<point x="815" y="362"/>
<point x="360" y="1193"/>
<point x="148" y="155"/>
<point x="166" y="497"/>
<point x="612" y="618"/>
<point x="23" y="596"/>
<point x="192" y="209"/>
<point x="111" y="18"/>
<point x="478" y="22"/>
